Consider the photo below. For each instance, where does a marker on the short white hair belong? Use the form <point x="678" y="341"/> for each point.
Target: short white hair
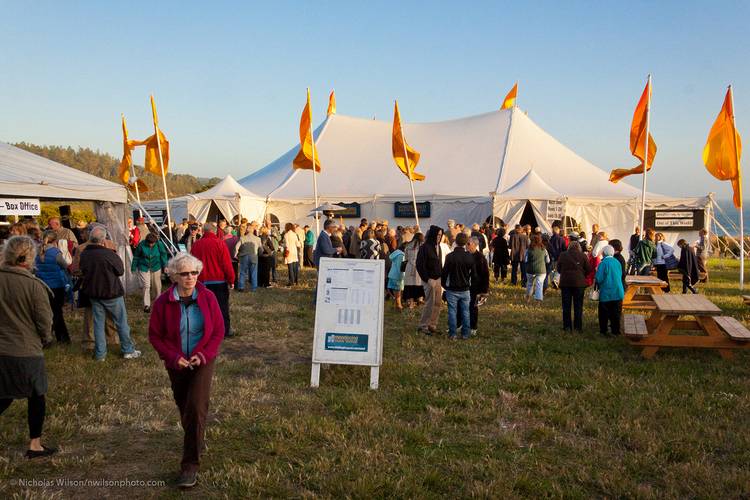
<point x="180" y="261"/>
<point x="608" y="251"/>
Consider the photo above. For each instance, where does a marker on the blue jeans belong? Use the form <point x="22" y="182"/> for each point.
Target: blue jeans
<point x="116" y="309"/>
<point x="248" y="269"/>
<point x="535" y="285"/>
<point x="458" y="301"/>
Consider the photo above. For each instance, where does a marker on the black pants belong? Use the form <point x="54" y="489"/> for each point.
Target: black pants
<point x="36" y="411"/>
<point x="500" y="270"/>
<point x="473" y="310"/>
<point x="572" y="295"/>
<point x="293" y="269"/>
<point x="264" y="270"/>
<point x="308" y="256"/>
<point x="192" y="390"/>
<point x="663" y="274"/>
<point x="514" y="272"/>
<point x="610" y="312"/>
<point x="686" y="283"/>
<point x="221" y="290"/>
<point x="57" y="302"/>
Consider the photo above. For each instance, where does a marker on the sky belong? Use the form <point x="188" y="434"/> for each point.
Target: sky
<point x="229" y="78"/>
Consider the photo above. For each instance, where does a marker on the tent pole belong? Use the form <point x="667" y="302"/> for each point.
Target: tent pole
<point x="163" y="174"/>
<point x="739" y="187"/>
<point x="645" y="159"/>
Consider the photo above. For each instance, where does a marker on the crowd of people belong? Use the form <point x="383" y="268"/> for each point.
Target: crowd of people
<point x="42" y="269"/>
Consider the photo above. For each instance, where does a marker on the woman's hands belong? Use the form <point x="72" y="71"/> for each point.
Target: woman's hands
<point x="194" y="362"/>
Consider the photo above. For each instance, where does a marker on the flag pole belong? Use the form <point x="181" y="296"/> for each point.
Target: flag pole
<point x="161" y="165"/>
<point x="409" y="171"/>
<point x="645" y="159"/>
<point x="132" y="175"/>
<point x="739" y="186"/>
<point x="315" y="172"/>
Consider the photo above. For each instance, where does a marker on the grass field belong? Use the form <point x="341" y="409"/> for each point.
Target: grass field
<point x="523" y="410"/>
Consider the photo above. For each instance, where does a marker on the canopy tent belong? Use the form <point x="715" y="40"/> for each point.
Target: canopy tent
<point x="227" y="198"/>
<point x="495" y="163"/>
<point x="26" y="174"/>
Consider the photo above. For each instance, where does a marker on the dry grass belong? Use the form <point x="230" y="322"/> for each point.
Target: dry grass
<point x="523" y="410"/>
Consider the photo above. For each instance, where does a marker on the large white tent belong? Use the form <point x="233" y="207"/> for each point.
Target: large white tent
<point x="499" y="163"/>
<point x="227" y="198"/>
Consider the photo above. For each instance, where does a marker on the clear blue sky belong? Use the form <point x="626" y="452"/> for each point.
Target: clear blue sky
<point x="230" y="77"/>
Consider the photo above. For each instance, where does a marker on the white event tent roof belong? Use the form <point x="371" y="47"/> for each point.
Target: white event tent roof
<point x="490" y="164"/>
<point x="25" y="174"/>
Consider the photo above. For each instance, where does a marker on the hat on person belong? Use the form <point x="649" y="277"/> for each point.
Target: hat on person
<point x="81" y="224"/>
<point x="574" y="236"/>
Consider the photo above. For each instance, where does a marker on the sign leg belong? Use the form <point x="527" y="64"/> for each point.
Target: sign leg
<point x="374" y="377"/>
<point x="315" y="375"/>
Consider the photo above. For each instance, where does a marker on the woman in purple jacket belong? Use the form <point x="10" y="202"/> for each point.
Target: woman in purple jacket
<point x="186" y="329"/>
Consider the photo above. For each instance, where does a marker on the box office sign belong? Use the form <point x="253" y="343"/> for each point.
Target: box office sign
<point x="20" y="206"/>
<point x="674" y="220"/>
<point x="349" y="316"/>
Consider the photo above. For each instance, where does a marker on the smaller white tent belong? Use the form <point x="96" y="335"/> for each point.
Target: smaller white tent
<point x="227" y="198"/>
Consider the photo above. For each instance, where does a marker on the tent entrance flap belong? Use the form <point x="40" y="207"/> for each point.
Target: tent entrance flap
<point x="528" y="216"/>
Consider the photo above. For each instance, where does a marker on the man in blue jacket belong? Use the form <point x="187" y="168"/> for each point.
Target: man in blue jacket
<point x="324" y="248"/>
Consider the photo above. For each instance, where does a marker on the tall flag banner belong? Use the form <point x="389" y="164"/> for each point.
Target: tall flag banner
<point x="510" y="99"/>
<point x="126" y="163"/>
<point x="723" y="149"/>
<point x="332" y="103"/>
<point x="304" y="159"/>
<point x="638" y="139"/>
<point x="399" y="145"/>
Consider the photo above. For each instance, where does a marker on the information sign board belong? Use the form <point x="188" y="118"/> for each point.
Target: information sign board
<point x="20" y="206"/>
<point x="349" y="315"/>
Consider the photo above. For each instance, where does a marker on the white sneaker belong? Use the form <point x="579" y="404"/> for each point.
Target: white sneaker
<point x="473" y="333"/>
<point x="132" y="355"/>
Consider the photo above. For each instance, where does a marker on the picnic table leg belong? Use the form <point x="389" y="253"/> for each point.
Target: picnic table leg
<point x="656" y="290"/>
<point x="662" y="330"/>
<point x="653" y="321"/>
<point x="629" y="294"/>
<point x="709" y="326"/>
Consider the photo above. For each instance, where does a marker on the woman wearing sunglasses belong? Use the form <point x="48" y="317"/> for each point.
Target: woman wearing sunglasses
<point x="186" y="329"/>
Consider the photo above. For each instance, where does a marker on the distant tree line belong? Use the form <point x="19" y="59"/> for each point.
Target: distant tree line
<point x="105" y="166"/>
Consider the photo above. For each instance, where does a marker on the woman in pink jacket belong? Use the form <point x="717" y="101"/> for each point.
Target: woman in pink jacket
<point x="186" y="329"/>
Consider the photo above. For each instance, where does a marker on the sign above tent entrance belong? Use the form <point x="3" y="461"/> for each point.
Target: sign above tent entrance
<point x="555" y="210"/>
<point x="352" y="210"/>
<point x="20" y="206"/>
<point x="677" y="220"/>
<point x="405" y="210"/>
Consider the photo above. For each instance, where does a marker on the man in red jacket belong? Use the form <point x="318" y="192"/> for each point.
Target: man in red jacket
<point x="218" y="272"/>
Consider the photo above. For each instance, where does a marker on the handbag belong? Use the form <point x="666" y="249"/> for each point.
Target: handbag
<point x="403" y="266"/>
<point x="594" y="294"/>
<point x="671" y="262"/>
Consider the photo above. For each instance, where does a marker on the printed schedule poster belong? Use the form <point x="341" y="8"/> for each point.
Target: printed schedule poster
<point x="349" y="312"/>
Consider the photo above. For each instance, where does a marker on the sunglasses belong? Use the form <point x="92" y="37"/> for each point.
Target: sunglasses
<point x="189" y="273"/>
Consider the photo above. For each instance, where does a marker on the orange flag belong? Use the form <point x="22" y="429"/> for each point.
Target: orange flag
<point x="304" y="159"/>
<point x="723" y="149"/>
<point x="332" y="103"/>
<point x="151" y="163"/>
<point x="127" y="162"/>
<point x="510" y="99"/>
<point x="638" y="139"/>
<point x="399" y="146"/>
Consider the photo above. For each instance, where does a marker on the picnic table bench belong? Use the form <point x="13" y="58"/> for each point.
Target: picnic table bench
<point x="633" y="284"/>
<point x="746" y="299"/>
<point x="707" y="329"/>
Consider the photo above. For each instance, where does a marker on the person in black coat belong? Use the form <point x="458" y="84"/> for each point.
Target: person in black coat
<point x="617" y="245"/>
<point x="479" y="286"/>
<point x="688" y="266"/>
<point x="429" y="268"/>
<point x="500" y="255"/>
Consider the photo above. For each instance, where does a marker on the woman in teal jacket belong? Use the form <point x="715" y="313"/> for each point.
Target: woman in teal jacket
<point x="149" y="259"/>
<point x="611" y="293"/>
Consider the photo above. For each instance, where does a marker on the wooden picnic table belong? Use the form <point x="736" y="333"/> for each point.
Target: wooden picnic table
<point x="715" y="331"/>
<point x="633" y="284"/>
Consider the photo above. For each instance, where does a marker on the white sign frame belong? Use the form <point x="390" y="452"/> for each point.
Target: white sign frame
<point x="20" y="206"/>
<point x="352" y="334"/>
<point x="556" y="210"/>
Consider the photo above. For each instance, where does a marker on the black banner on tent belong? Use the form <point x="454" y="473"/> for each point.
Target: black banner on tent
<point x="353" y="211"/>
<point x="674" y="220"/>
<point x="405" y="210"/>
